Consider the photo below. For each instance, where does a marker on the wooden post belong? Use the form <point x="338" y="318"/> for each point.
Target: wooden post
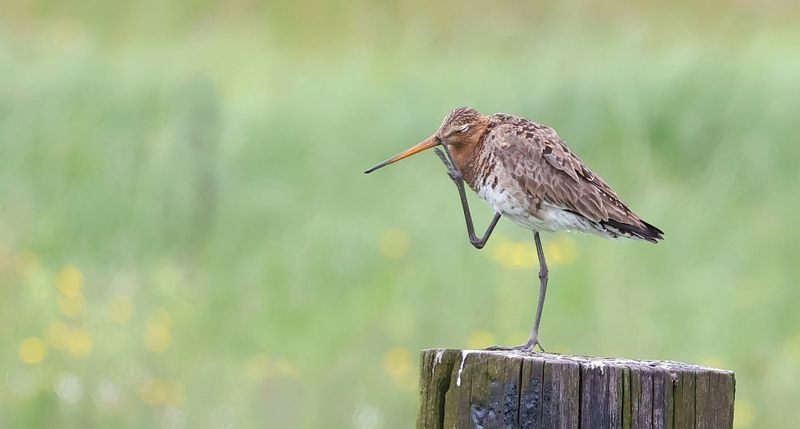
<point x="479" y="389"/>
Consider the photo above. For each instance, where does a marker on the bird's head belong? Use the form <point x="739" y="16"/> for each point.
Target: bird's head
<point x="461" y="129"/>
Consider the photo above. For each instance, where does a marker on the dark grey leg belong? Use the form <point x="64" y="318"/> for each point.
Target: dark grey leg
<point x="458" y="179"/>
<point x="533" y="341"/>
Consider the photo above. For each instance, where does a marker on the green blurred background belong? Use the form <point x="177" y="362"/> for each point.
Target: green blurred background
<point x="187" y="239"/>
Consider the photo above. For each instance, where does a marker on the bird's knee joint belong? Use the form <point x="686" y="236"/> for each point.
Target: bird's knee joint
<point x="478" y="244"/>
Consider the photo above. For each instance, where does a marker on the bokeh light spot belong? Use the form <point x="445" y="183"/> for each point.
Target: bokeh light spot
<point x="32" y="350"/>
<point x="559" y="250"/>
<point x="108" y="394"/>
<point x="367" y="417"/>
<point x="71" y="306"/>
<point x="68" y="387"/>
<point x="514" y="254"/>
<point x="155" y="392"/>
<point x="79" y="342"/>
<point x="397" y="363"/>
<point x="393" y="243"/>
<point x="158" y="334"/>
<point x="70" y="281"/>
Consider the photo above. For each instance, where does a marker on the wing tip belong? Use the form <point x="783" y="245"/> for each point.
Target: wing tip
<point x="653" y="233"/>
<point x="645" y="231"/>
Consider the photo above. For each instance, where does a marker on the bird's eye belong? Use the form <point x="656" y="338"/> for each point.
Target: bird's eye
<point x="463" y="128"/>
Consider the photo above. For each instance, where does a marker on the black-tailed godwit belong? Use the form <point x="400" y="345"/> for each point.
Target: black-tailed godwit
<point x="526" y="172"/>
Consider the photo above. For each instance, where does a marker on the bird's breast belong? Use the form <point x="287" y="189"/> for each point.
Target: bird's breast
<point x="495" y="184"/>
<point x="505" y="195"/>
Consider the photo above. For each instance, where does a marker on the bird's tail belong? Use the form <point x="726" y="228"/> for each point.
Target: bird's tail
<point x="645" y="231"/>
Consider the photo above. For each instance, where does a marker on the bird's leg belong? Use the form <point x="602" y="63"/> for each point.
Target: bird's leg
<point x="533" y="341"/>
<point x="458" y="179"/>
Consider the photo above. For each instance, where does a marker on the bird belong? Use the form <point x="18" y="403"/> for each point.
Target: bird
<point x="526" y="172"/>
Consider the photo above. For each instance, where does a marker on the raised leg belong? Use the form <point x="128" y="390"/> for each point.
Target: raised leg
<point x="458" y="179"/>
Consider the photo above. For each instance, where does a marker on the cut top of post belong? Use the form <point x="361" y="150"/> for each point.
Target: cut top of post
<point x="511" y="389"/>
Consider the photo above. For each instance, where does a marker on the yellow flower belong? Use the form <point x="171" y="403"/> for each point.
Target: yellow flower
<point x="480" y="339"/>
<point x="155" y="392"/>
<point x="79" y="342"/>
<point x="522" y="254"/>
<point x="160" y="392"/>
<point x="32" y="350"/>
<point x="120" y="309"/>
<point x="71" y="306"/>
<point x="393" y="243"/>
<point x="70" y="281"/>
<point x="158" y="335"/>
<point x="560" y="251"/>
<point x="514" y="254"/>
<point x="397" y="363"/>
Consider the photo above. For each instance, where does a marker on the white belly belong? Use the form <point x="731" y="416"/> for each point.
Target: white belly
<point x="547" y="217"/>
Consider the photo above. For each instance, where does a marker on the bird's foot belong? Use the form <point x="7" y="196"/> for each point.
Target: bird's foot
<point x="452" y="170"/>
<point x="527" y="347"/>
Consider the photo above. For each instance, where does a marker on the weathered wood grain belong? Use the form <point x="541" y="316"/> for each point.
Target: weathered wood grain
<point x="434" y="382"/>
<point x="484" y="391"/>
<point x="506" y="389"/>
<point x="561" y="395"/>
<point x="684" y="399"/>
<point x="531" y="394"/>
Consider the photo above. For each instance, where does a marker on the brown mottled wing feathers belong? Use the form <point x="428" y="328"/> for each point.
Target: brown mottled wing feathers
<point x="548" y="171"/>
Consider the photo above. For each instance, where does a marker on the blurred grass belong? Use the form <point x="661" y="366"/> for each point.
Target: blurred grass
<point x="187" y="240"/>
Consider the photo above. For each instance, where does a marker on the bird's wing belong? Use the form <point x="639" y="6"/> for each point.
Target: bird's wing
<point x="539" y="160"/>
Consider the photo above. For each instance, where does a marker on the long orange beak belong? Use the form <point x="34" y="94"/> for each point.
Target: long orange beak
<point x="425" y="144"/>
